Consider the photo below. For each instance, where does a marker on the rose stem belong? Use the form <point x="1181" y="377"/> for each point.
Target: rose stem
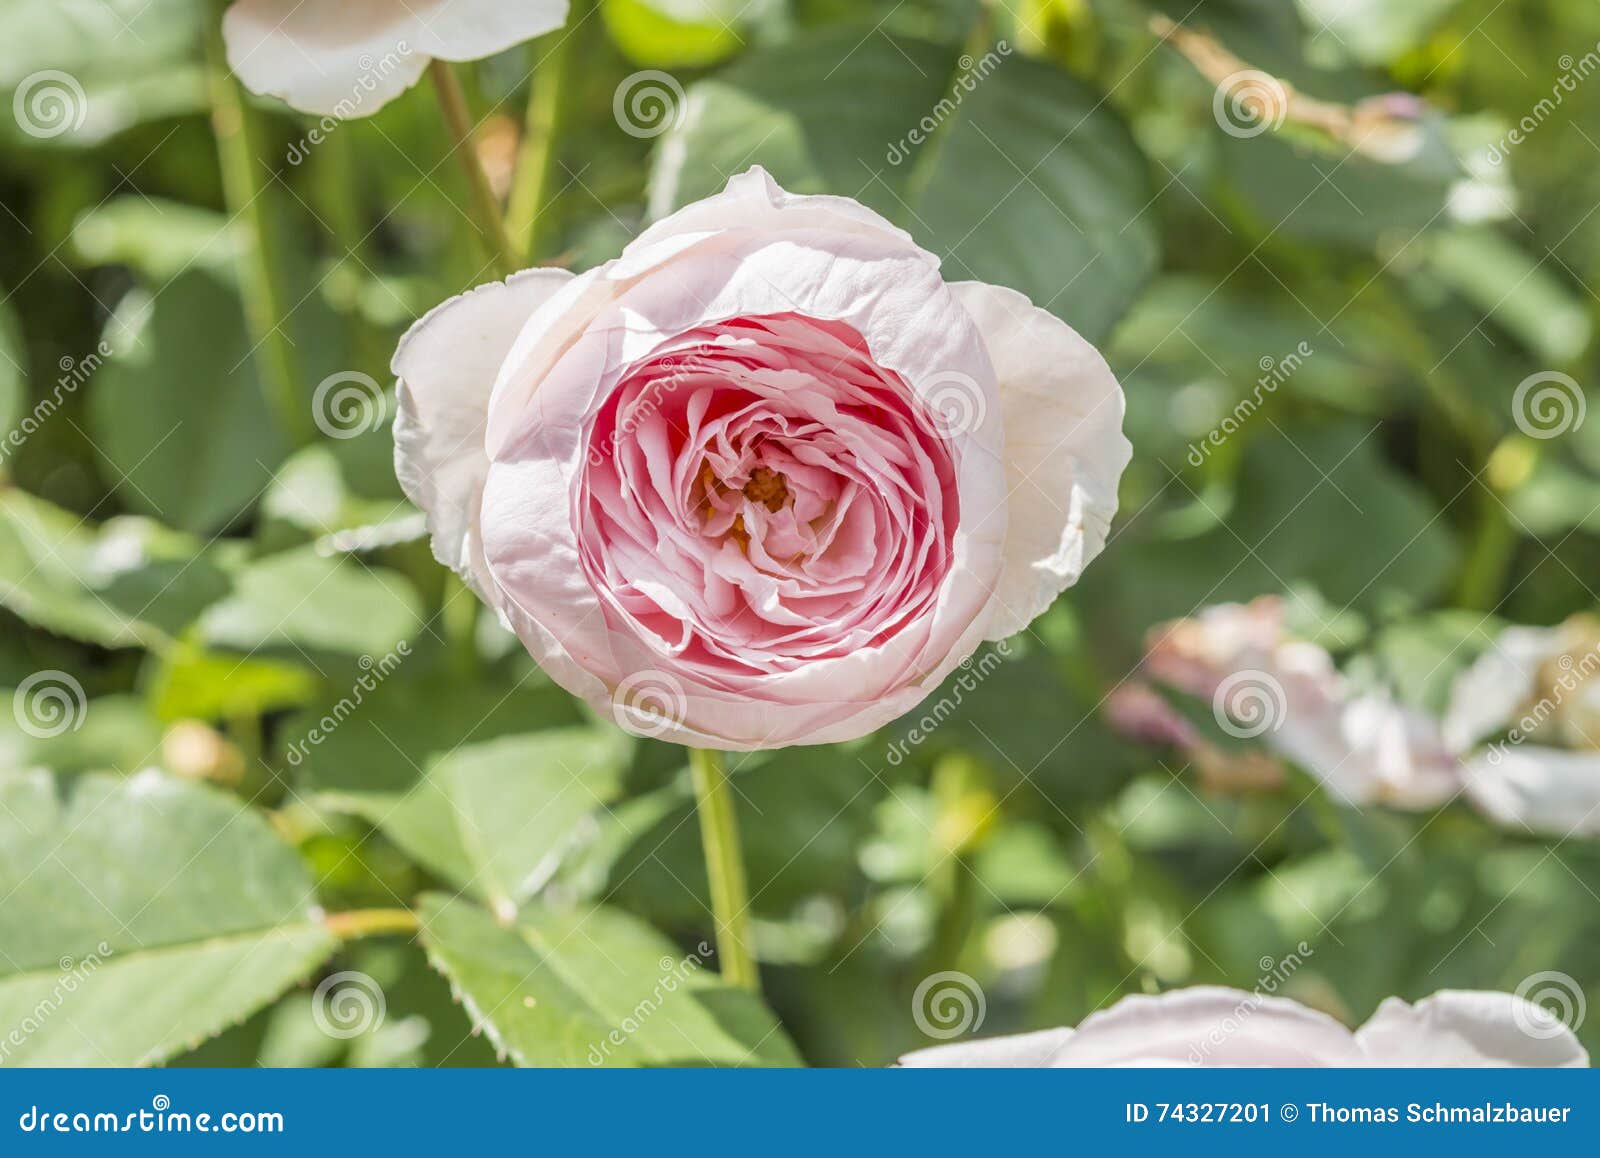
<point x="245" y="195"/>
<point x="528" y="208"/>
<point x="730" y="898"/>
<point x="369" y="923"/>
<point x="486" y="210"/>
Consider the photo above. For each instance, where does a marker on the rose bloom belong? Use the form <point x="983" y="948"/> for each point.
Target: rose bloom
<point x="1361" y="744"/>
<point x="1212" y="1026"/>
<point x="349" y="58"/>
<point x="766" y="478"/>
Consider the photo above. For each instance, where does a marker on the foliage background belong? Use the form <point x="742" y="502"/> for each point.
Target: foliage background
<point x="215" y="589"/>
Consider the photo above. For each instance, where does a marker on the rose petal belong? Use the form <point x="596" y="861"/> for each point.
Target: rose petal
<point x="1209" y="1026"/>
<point x="1015" y="1051"/>
<point x="310" y="53"/>
<point x="447" y="364"/>
<point x="349" y="58"/>
<point x="1064" y="449"/>
<point x="1533" y="788"/>
<point x="1486" y="696"/>
<point x="1468" y="1028"/>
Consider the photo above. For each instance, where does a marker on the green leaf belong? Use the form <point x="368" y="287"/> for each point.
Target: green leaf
<point x="188" y="682"/>
<point x="159" y="239"/>
<point x="1302" y="498"/>
<point x="111" y="733"/>
<point x="178" y="412"/>
<point x="595" y="986"/>
<point x="300" y="600"/>
<point x="140" y="916"/>
<point x="86" y="70"/>
<point x="129" y="582"/>
<point x="674" y="33"/>
<point x="1011" y="170"/>
<point x="497" y="818"/>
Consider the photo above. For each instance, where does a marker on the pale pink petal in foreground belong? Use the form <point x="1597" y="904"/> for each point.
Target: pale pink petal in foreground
<point x="1213" y="1026"/>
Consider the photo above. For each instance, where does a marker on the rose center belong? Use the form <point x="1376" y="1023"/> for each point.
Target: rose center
<point x="767" y="486"/>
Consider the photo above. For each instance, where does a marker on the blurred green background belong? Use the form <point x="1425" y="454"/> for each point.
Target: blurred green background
<point x="216" y="580"/>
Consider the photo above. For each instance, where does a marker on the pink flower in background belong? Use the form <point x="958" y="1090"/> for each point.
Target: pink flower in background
<point x="348" y="58"/>
<point x="1212" y="1026"/>
<point x="1265" y="683"/>
<point x="766" y="478"/>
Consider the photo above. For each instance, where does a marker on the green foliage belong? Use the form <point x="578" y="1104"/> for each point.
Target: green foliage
<point x="297" y="750"/>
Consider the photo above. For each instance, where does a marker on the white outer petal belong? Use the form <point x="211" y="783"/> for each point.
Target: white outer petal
<point x="310" y="53"/>
<point x="1467" y="1028"/>
<point x="1533" y="788"/>
<point x="1064" y="448"/>
<point x="1209" y="1026"/>
<point x="447" y="363"/>
<point x="473" y="29"/>
<point x="349" y="58"/>
<point x="1035" y="1050"/>
<point x="1486" y="696"/>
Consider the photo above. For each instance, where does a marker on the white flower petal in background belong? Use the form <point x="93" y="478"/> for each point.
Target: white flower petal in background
<point x="1365" y="747"/>
<point x="348" y="58"/>
<point x="1537" y="789"/>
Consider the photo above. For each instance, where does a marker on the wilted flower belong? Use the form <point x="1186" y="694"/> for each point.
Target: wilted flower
<point x="766" y="478"/>
<point x="348" y="58"/>
<point x="1213" y="1026"/>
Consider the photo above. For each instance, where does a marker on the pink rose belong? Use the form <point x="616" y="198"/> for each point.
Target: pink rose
<point x="766" y="478"/>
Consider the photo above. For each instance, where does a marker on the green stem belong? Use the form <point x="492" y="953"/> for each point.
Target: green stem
<point x="528" y="210"/>
<point x="730" y="898"/>
<point x="246" y="199"/>
<point x="370" y="923"/>
<point x="486" y="210"/>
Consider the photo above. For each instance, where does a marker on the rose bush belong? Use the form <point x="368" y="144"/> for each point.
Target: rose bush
<point x="767" y="477"/>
